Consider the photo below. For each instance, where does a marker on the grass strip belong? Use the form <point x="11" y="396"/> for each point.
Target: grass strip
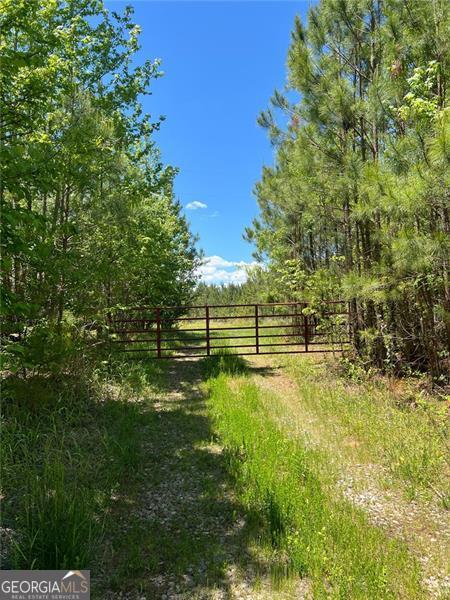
<point x="319" y="537"/>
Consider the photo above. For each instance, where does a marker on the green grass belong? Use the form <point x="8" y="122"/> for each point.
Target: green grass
<point x="405" y="431"/>
<point x="85" y="460"/>
<point x="81" y="456"/>
<point x="177" y="526"/>
<point x="68" y="446"/>
<point x="308" y="532"/>
<point x="224" y="361"/>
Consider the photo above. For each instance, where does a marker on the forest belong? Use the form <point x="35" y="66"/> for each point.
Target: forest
<point x="355" y="207"/>
<point x="259" y="478"/>
<point x="87" y="206"/>
<point x="357" y="204"/>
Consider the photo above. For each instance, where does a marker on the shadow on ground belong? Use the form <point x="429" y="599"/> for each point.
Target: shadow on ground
<point x="180" y="532"/>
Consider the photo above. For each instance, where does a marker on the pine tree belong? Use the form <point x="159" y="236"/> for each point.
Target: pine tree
<point x="359" y="193"/>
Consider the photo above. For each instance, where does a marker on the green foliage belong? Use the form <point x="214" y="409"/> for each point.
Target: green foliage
<point x="357" y="203"/>
<point x="422" y="101"/>
<point x="68" y="446"/>
<point x="46" y="347"/>
<point x="89" y="218"/>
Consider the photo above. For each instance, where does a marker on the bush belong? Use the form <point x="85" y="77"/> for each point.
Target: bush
<point x="45" y="347"/>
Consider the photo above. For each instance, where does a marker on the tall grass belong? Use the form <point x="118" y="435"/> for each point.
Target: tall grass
<point x="325" y="539"/>
<point x="405" y="431"/>
<point x="224" y="361"/>
<point x="68" y="447"/>
<point x="56" y="523"/>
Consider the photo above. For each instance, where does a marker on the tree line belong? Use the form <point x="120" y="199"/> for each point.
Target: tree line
<point x="357" y="203"/>
<point x="89" y="217"/>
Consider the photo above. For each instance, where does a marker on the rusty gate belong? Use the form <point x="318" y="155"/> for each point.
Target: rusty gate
<point x="243" y="329"/>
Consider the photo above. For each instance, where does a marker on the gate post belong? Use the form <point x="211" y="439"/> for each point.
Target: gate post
<point x="256" y="329"/>
<point x="305" y="332"/>
<point x="158" y="332"/>
<point x="208" y="346"/>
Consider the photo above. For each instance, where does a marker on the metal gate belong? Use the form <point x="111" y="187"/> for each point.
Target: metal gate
<point x="243" y="329"/>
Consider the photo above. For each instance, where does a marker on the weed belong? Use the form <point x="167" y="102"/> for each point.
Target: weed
<point x="326" y="539"/>
<point x="64" y="453"/>
<point x="409" y="438"/>
<point x="55" y="522"/>
<point x="224" y="361"/>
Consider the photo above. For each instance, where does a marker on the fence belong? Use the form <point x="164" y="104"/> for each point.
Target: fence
<point x="200" y="331"/>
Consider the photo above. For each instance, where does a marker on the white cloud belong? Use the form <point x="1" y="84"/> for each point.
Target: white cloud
<point x="216" y="269"/>
<point x="196" y="205"/>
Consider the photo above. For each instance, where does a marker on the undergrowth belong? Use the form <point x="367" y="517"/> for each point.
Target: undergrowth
<point x="69" y="444"/>
<point x="312" y="535"/>
<point x="72" y="446"/>
<point x="405" y="431"/>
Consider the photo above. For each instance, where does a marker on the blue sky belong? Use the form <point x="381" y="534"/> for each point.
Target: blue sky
<point x="222" y="61"/>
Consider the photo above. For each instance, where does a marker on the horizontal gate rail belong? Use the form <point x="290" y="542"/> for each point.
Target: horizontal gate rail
<point x="166" y="332"/>
<point x="260" y="304"/>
